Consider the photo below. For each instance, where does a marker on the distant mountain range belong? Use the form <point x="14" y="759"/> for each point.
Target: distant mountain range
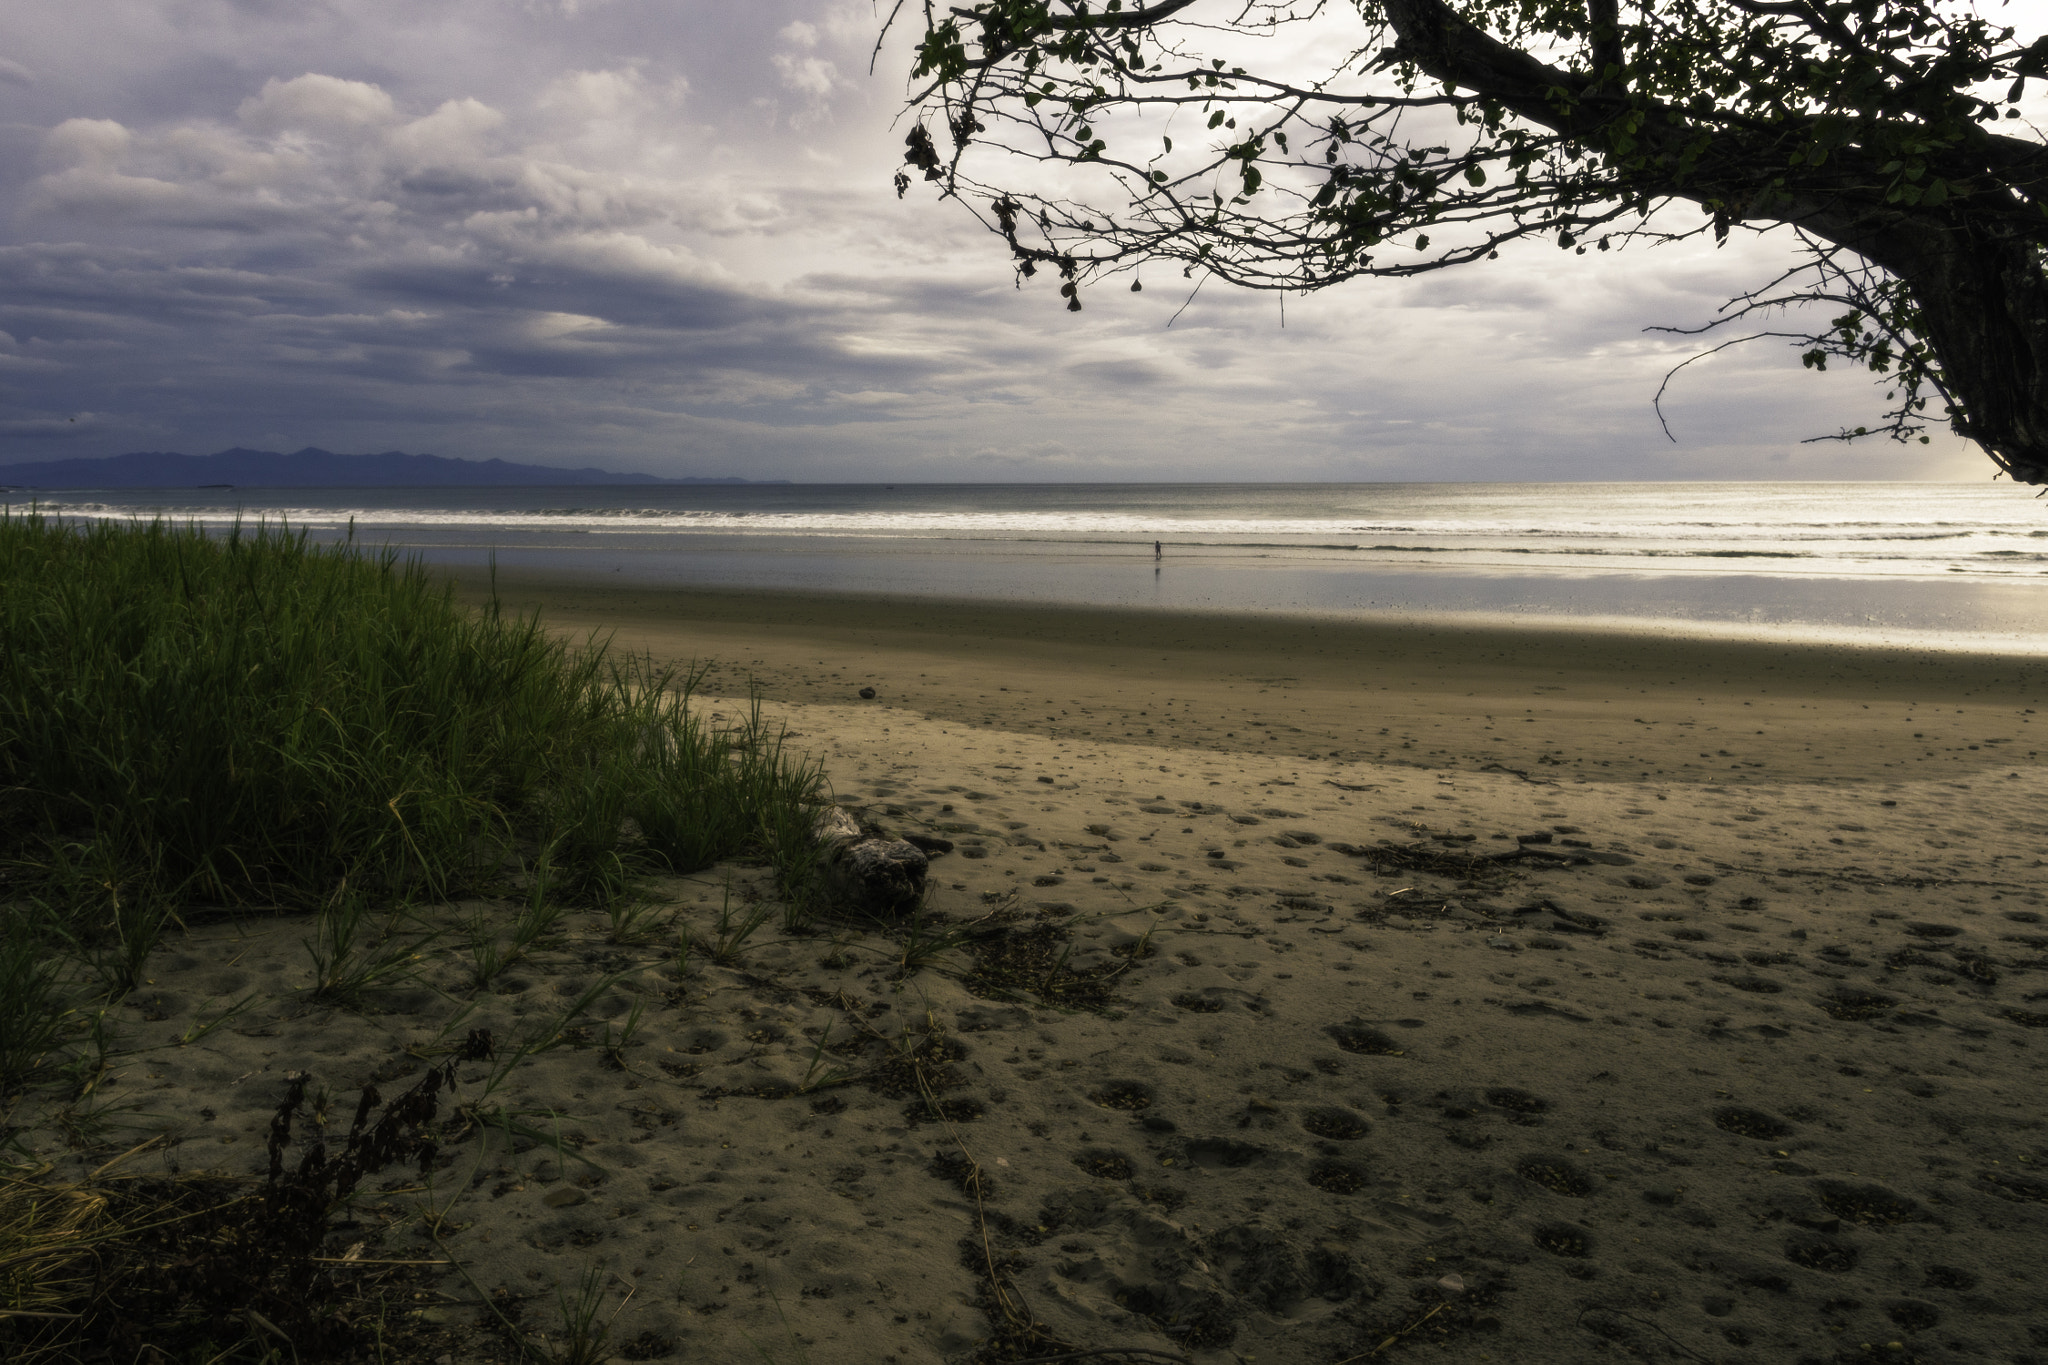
<point x="309" y="468"/>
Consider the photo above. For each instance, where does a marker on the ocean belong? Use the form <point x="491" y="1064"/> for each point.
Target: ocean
<point x="1938" y="565"/>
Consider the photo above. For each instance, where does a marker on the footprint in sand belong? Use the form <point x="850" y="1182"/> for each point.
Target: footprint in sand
<point x="1912" y="1314"/>
<point x="1822" y="1253"/>
<point x="1338" y="1177"/>
<point x="1128" y="1096"/>
<point x="1867" y="1203"/>
<point x="1555" y="1175"/>
<point x="962" y="1172"/>
<point x="1104" y="1164"/>
<point x="703" y="1040"/>
<point x="1851" y="1005"/>
<point x="1949" y="1277"/>
<point x="1562" y="1239"/>
<point x="1356" y="1037"/>
<point x="1334" y="1124"/>
<point x="1521" y="1106"/>
<point x="1751" y="1123"/>
<point x="944" y="1111"/>
<point x="1221" y="1153"/>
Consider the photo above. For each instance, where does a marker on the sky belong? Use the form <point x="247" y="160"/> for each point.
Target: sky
<point x="660" y="236"/>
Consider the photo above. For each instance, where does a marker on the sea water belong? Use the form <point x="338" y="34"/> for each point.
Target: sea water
<point x="1958" y="565"/>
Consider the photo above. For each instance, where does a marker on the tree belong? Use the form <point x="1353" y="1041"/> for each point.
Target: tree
<point x="1886" y="136"/>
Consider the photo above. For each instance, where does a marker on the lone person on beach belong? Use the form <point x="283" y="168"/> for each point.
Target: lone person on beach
<point x="1158" y="550"/>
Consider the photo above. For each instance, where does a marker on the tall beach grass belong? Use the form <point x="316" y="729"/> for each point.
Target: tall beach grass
<point x="251" y="722"/>
<point x="255" y="721"/>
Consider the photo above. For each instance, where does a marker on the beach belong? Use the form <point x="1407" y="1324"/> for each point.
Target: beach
<point x="1295" y="990"/>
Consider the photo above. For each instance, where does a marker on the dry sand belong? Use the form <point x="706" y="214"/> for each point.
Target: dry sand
<point x="1734" y="1055"/>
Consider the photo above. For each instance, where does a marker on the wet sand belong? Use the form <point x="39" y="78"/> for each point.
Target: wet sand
<point x="1319" y="993"/>
<point x="1608" y="706"/>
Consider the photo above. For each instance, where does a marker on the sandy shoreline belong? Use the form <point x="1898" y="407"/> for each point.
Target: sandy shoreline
<point x="1610" y="706"/>
<point x="1331" y="994"/>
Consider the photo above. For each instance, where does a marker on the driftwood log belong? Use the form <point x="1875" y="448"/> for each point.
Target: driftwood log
<point x="869" y="874"/>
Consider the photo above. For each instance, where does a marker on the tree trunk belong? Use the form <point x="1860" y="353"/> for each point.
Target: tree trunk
<point x="1974" y="265"/>
<point x="1984" y="311"/>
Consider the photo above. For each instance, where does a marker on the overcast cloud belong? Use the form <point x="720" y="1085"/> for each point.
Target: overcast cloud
<point x="659" y="235"/>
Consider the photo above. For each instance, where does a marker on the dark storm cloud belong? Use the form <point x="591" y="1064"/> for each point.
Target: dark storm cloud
<point x="510" y="286"/>
<point x="659" y="234"/>
<point x="1126" y="374"/>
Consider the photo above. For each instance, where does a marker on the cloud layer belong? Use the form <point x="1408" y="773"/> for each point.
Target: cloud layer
<point x="660" y="236"/>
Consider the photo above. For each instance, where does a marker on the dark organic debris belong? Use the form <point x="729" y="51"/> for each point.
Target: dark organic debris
<point x="1436" y="858"/>
<point x="1016" y="957"/>
<point x="298" y="1202"/>
<point x="184" y="1264"/>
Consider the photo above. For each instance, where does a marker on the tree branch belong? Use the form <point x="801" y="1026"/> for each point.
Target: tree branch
<point x="1442" y="43"/>
<point x="1604" y="18"/>
<point x="1865" y="128"/>
<point x="1127" y="19"/>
